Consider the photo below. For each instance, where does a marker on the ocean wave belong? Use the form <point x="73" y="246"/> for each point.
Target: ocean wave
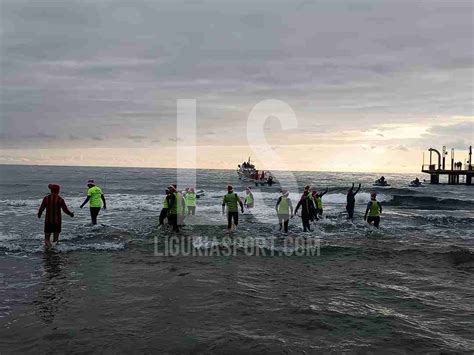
<point x="105" y="246"/>
<point x="9" y="236"/>
<point x="430" y="203"/>
<point x="332" y="198"/>
<point x="452" y="253"/>
<point x="457" y="255"/>
<point x="397" y="190"/>
<point x="445" y="220"/>
<point x="20" y="203"/>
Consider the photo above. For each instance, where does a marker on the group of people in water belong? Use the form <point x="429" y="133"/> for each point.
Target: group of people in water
<point x="177" y="205"/>
<point x="55" y="205"/>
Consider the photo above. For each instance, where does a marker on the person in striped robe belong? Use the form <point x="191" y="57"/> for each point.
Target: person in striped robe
<point x="54" y="206"/>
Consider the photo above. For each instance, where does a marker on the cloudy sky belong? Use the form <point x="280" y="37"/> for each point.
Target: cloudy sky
<point x="372" y="83"/>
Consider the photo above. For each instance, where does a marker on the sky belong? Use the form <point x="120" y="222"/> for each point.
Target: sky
<point x="372" y="84"/>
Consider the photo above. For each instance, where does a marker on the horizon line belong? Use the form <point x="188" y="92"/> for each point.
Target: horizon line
<point x="175" y="168"/>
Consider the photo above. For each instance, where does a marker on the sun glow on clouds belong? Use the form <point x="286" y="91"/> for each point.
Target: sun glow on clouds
<point x="396" y="131"/>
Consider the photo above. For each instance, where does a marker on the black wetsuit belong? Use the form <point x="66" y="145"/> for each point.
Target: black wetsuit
<point x="305" y="204"/>
<point x="313" y="212"/>
<point x="163" y="215"/>
<point x="172" y="217"/>
<point x="351" y="202"/>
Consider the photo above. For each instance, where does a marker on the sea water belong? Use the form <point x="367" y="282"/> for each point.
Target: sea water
<point x="408" y="285"/>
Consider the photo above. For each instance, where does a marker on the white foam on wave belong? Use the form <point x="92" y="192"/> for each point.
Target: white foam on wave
<point x="108" y="246"/>
<point x="9" y="236"/>
<point x="10" y="247"/>
<point x="20" y="203"/>
<point x="124" y="202"/>
<point x="336" y="198"/>
<point x="361" y="197"/>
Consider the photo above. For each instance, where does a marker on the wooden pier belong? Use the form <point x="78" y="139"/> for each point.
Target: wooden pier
<point x="458" y="169"/>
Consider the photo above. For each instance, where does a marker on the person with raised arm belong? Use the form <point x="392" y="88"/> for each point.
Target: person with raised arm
<point x="318" y="200"/>
<point x="351" y="201"/>
<point x="305" y="203"/>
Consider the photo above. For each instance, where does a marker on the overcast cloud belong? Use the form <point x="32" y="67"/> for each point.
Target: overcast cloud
<point x="108" y="73"/>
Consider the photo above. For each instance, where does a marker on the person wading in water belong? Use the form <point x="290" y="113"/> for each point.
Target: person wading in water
<point x="54" y="206"/>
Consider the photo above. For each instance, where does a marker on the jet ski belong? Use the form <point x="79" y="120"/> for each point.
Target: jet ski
<point x="380" y="182"/>
<point x="200" y="193"/>
<point x="415" y="183"/>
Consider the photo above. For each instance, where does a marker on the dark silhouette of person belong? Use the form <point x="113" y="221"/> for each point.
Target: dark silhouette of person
<point x="270" y="180"/>
<point x="351" y="201"/>
<point x="305" y="204"/>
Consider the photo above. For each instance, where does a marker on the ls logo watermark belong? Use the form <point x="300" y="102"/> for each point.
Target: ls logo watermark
<point x="186" y="146"/>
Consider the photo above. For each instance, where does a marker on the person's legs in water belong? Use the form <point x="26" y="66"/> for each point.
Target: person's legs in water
<point x="283" y="222"/>
<point x="374" y="220"/>
<point x="280" y="221"/>
<point x="176" y="224"/>
<point x="350" y="212"/>
<point x="306" y="227"/>
<point x="56" y="238"/>
<point x="229" y="221"/>
<point x="173" y="220"/>
<point x="49" y="229"/>
<point x="94" y="213"/>
<point x="180" y="220"/>
<point x="235" y="216"/>
<point x="232" y="216"/>
<point x="312" y="214"/>
<point x="47" y="240"/>
<point x="163" y="214"/>
<point x="191" y="210"/>
<point x="286" y="219"/>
